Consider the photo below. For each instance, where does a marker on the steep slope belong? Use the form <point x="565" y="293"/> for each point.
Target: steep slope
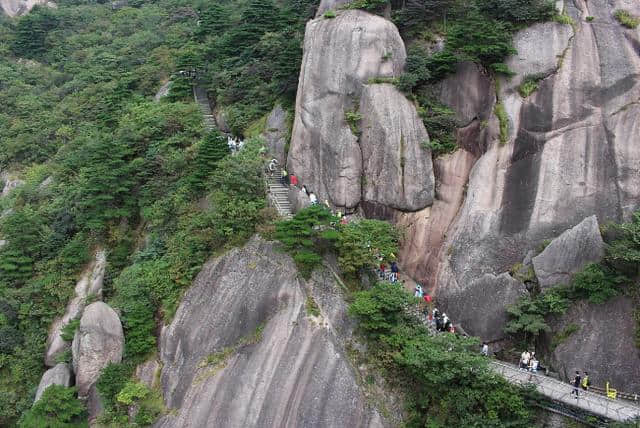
<point x="327" y="152"/>
<point x="243" y="350"/>
<point x="570" y="151"/>
<point x="20" y="7"/>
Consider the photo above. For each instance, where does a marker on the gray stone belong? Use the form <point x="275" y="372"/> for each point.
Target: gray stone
<point x="603" y="344"/>
<point x="480" y="308"/>
<point x="286" y="368"/>
<point x="569" y="253"/>
<point x="149" y="373"/>
<point x="89" y="284"/>
<point x="10" y="182"/>
<point x="276" y="132"/>
<point x="397" y="169"/>
<point x="3" y="242"/>
<point x="58" y="375"/>
<point x="164" y="89"/>
<point x="221" y="120"/>
<point x="340" y="56"/>
<point x="99" y="340"/>
<point x="469" y="92"/>
<point x="298" y="199"/>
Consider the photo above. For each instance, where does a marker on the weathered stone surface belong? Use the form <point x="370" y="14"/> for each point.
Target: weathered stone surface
<point x="398" y="171"/>
<point x="276" y="133"/>
<point x="89" y="284"/>
<point x="298" y="199"/>
<point x="572" y="153"/>
<point x="340" y="56"/>
<point x="58" y="375"/>
<point x="20" y="7"/>
<point x="480" y="307"/>
<point x="163" y="91"/>
<point x="425" y="230"/>
<point x="10" y="182"/>
<point x="602" y="345"/>
<point x="221" y="120"/>
<point x="287" y="368"/>
<point x="569" y="253"/>
<point x="98" y="341"/>
<point x="469" y="92"/>
<point x="149" y="373"/>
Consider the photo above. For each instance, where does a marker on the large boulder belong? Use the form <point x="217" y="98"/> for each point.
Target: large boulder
<point x="88" y="286"/>
<point x="480" y="308"/>
<point x="569" y="253"/>
<point x="340" y="56"/>
<point x="9" y="182"/>
<point x="276" y="132"/>
<point x="602" y="344"/>
<point x="259" y="358"/>
<point x="99" y="340"/>
<point x="397" y="168"/>
<point x="58" y="375"/>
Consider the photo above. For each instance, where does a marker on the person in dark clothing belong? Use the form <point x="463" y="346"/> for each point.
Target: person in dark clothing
<point x="576" y="384"/>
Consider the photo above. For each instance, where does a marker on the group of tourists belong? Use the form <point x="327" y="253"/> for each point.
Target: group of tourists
<point x="287" y="179"/>
<point x="234" y="144"/>
<point x="390" y="274"/>
<point x="580" y="382"/>
<point x="529" y="362"/>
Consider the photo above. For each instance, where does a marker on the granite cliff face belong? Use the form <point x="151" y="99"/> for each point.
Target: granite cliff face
<point x="244" y="349"/>
<point x="343" y="137"/>
<point x="572" y="152"/>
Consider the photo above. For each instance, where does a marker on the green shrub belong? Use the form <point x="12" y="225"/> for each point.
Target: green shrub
<point x="590" y="18"/>
<point x="367" y="4"/>
<point x="58" y="407"/>
<point x="306" y="235"/>
<point x="329" y="14"/>
<point x="352" y="118"/>
<point x="380" y="309"/>
<point x="626" y="19"/>
<point x="518" y="11"/>
<point x="441" y="124"/>
<point x="361" y="243"/>
<point x="69" y="330"/>
<point x="529" y="85"/>
<point x="112" y="380"/>
<point x="563" y="19"/>
<point x="131" y="392"/>
<point x="312" y="307"/>
<point x="597" y="283"/>
<point x="503" y="119"/>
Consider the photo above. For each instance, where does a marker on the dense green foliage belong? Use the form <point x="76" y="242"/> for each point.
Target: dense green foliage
<point x="307" y="235"/>
<point x="106" y="166"/>
<point x="361" y="245"/>
<point x="57" y="408"/>
<point x="627" y="19"/>
<point x="446" y="378"/>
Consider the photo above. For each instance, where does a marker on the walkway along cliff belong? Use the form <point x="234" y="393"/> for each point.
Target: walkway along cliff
<point x="571" y="152"/>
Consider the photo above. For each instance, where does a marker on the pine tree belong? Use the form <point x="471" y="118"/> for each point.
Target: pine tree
<point x="211" y="149"/>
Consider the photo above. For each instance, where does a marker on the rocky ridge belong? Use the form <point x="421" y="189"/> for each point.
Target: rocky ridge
<point x="261" y="355"/>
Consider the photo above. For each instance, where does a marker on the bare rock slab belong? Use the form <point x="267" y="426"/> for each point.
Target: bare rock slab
<point x="58" y="375"/>
<point x="98" y="341"/>
<point x="569" y="253"/>
<point x="242" y="351"/>
<point x="275" y="133"/>
<point x="480" y="308"/>
<point x="603" y="344"/>
<point x="340" y="56"/>
<point x="397" y="168"/>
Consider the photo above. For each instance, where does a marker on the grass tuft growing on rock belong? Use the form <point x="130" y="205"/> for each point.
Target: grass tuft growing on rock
<point x="501" y="113"/>
<point x="563" y="19"/>
<point x="312" y="307"/>
<point x="329" y="14"/>
<point x="529" y="85"/>
<point x="625" y="18"/>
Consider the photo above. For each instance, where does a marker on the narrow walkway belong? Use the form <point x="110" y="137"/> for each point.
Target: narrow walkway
<point x="553" y="389"/>
<point x="278" y="193"/>
<point x="559" y="391"/>
<point x="200" y="95"/>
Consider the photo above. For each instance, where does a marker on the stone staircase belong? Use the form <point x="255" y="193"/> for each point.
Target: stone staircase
<point x="200" y="95"/>
<point x="278" y="194"/>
